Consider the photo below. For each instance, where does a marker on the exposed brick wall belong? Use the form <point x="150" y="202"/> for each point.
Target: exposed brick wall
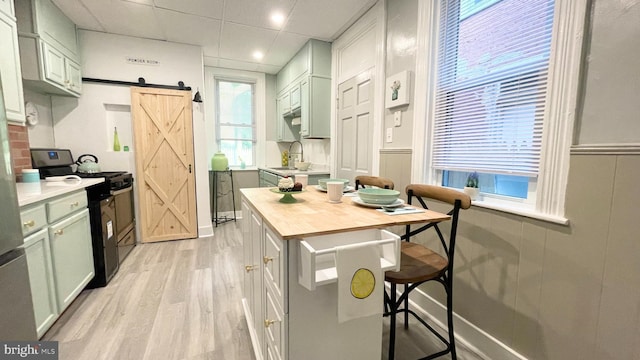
<point x="19" y="143"/>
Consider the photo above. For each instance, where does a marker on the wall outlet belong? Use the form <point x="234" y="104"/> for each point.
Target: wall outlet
<point x="389" y="134"/>
<point x="397" y="118"/>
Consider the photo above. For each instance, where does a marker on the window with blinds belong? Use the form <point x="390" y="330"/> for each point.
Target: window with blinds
<point x="493" y="65"/>
<point x="235" y="121"/>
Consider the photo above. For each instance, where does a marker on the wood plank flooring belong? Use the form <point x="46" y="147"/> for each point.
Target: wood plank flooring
<point x="180" y="300"/>
<point x="169" y="300"/>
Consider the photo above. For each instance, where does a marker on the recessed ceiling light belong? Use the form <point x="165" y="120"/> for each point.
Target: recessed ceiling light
<point x="258" y="55"/>
<point x="277" y="18"/>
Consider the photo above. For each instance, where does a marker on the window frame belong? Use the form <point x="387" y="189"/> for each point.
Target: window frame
<point x="559" y="116"/>
<point x="208" y="106"/>
<point x="253" y="126"/>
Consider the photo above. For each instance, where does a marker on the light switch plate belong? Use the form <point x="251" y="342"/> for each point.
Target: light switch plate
<point x="389" y="134"/>
<point x="397" y="118"/>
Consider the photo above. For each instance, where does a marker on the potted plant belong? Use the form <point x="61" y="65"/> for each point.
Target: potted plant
<point x="471" y="188"/>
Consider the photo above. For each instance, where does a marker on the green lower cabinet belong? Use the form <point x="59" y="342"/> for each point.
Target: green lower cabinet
<point x="72" y="256"/>
<point x="313" y="179"/>
<point x="38" y="252"/>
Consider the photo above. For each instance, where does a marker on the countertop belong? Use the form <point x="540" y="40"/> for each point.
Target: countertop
<point x="27" y="196"/>
<point x="288" y="172"/>
<point x="313" y="215"/>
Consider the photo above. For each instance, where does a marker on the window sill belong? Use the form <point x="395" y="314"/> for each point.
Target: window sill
<point x="521" y="212"/>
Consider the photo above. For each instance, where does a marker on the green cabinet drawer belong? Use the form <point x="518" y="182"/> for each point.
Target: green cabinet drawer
<point x="57" y="209"/>
<point x="41" y="280"/>
<point x="33" y="219"/>
<point x="72" y="256"/>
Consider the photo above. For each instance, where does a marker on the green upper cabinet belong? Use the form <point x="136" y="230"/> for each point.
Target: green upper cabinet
<point x="49" y="52"/>
<point x="304" y="91"/>
<point x="10" y="71"/>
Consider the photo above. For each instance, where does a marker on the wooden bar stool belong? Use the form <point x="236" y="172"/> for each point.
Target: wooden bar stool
<point x="378" y="181"/>
<point x="419" y="264"/>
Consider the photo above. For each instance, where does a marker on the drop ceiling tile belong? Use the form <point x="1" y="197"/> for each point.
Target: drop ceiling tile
<point x="211" y="61"/>
<point x="190" y="29"/>
<point x="239" y="65"/>
<point x="211" y="50"/>
<point x="238" y="42"/>
<point x="79" y="14"/>
<point x="126" y="18"/>
<point x="284" y="48"/>
<point x="269" y="69"/>
<point x="324" y="19"/>
<point x="256" y="13"/>
<point x="145" y="2"/>
<point x="208" y="8"/>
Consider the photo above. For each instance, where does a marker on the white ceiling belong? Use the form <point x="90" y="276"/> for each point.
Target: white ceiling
<point x="229" y="31"/>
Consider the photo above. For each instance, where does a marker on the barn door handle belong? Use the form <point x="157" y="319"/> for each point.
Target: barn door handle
<point x="189" y="168"/>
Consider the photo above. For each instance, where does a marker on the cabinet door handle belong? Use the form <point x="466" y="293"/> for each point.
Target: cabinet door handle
<point x="268" y="322"/>
<point x="29" y="223"/>
<point x="75" y="203"/>
<point x="250" y="268"/>
<point x="59" y="232"/>
<point x="266" y="259"/>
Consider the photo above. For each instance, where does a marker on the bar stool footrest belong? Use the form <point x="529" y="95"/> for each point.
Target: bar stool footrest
<point x="447" y="350"/>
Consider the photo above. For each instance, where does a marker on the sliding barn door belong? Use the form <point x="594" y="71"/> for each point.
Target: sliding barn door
<point x="163" y="135"/>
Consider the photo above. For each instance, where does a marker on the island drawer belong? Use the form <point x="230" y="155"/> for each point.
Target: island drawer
<point x="318" y="254"/>
<point x="274" y="260"/>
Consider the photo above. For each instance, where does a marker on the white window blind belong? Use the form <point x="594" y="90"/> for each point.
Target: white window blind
<point x="491" y="91"/>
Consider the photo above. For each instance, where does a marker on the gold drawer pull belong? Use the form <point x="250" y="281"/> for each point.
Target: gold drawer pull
<point x="29" y="223"/>
<point x="59" y="232"/>
<point x="75" y="203"/>
<point x="250" y="268"/>
<point x="266" y="259"/>
<point x="268" y="322"/>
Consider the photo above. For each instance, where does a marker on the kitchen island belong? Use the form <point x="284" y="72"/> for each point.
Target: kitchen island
<point x="290" y="292"/>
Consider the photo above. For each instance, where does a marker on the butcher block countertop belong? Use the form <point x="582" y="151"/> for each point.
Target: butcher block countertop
<point x="313" y="215"/>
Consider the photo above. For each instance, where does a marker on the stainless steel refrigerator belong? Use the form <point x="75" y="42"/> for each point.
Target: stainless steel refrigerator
<point x="16" y="307"/>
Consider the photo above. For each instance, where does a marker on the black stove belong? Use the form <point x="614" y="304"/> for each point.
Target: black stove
<point x="58" y="162"/>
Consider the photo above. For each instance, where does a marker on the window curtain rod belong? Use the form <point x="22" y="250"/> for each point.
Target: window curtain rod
<point x="141" y="82"/>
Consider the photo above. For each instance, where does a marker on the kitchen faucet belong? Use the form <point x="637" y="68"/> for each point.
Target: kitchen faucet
<point x="301" y="153"/>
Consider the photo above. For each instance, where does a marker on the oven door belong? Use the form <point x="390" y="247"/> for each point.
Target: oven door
<point x="125" y="220"/>
<point x="109" y="243"/>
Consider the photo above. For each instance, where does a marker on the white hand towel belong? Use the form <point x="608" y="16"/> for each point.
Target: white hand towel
<point x="360" y="281"/>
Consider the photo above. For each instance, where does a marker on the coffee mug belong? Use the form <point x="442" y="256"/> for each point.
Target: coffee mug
<point x="334" y="191"/>
<point x="302" y="179"/>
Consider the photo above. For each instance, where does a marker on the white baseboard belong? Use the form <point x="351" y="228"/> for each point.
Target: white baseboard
<point x="472" y="343"/>
<point x="205" y="231"/>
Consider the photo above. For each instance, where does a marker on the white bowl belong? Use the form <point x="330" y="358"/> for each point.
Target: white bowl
<point x="323" y="182"/>
<point x="302" y="165"/>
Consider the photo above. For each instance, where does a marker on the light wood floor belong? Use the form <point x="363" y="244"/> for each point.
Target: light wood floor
<point x="179" y="300"/>
<point x="169" y="300"/>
